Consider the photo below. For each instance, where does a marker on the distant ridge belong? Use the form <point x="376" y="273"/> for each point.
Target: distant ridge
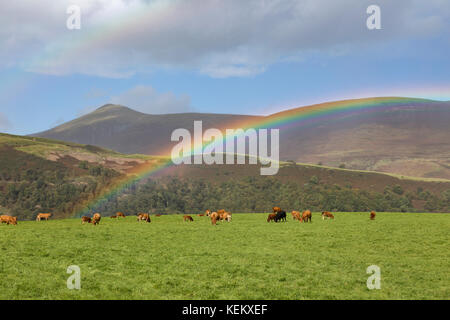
<point x="410" y="137"/>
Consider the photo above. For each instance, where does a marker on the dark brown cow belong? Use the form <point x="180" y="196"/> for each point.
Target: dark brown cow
<point x="96" y="219"/>
<point x="372" y="215"/>
<point x="85" y="219"/>
<point x="120" y="214"/>
<point x="113" y="217"/>
<point x="158" y="215"/>
<point x="271" y="217"/>
<point x="187" y="218"/>
<point x="326" y="215"/>
<point x="306" y="216"/>
<point x="201" y="215"/>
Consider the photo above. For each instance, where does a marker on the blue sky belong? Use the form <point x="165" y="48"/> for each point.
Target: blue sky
<point x="231" y="57"/>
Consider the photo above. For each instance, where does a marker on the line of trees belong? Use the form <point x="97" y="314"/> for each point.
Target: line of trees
<point x="259" y="194"/>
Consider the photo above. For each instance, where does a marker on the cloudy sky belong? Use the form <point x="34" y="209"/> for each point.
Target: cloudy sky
<point x="229" y="56"/>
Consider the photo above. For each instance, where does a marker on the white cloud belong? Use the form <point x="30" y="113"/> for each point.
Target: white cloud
<point x="219" y="38"/>
<point x="147" y="100"/>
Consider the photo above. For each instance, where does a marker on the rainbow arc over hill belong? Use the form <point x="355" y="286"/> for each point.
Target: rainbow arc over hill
<point x="301" y="116"/>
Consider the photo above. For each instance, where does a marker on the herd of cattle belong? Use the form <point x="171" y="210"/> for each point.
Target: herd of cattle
<point x="219" y="215"/>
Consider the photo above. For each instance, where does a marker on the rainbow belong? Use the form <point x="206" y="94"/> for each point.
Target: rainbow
<point x="302" y="116"/>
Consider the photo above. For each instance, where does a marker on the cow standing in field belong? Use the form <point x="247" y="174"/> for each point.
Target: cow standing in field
<point x="327" y="215"/>
<point x="306" y="216"/>
<point x="158" y="215"/>
<point x="96" y="219"/>
<point x="144" y="217"/>
<point x="214" y="217"/>
<point x="280" y="216"/>
<point x="113" y="217"/>
<point x="208" y="212"/>
<point x="200" y="215"/>
<point x="372" y="215"/>
<point x="271" y="217"/>
<point x="276" y="209"/>
<point x="8" y="219"/>
<point x="295" y="215"/>
<point x="226" y="216"/>
<point x="85" y="219"/>
<point x="44" y="216"/>
<point x="120" y="214"/>
<point x="188" y="218"/>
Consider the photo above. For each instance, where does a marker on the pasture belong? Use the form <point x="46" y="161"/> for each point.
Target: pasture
<point x="245" y="259"/>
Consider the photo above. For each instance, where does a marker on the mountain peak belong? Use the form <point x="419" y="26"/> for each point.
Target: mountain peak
<point x="110" y="106"/>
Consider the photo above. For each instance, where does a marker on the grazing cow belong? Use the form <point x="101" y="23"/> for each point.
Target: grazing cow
<point x="120" y="214"/>
<point x="280" y="216"/>
<point x="226" y="217"/>
<point x="201" y="215"/>
<point x="144" y="217"/>
<point x="306" y="216"/>
<point x="44" y="216"/>
<point x="157" y="215"/>
<point x="214" y="217"/>
<point x="8" y="219"/>
<point x="271" y="217"/>
<point x="85" y="219"/>
<point x="96" y="219"/>
<point x="276" y="209"/>
<point x="372" y="215"/>
<point x="326" y="215"/>
<point x="295" y="215"/>
<point x="113" y="217"/>
<point x="187" y="218"/>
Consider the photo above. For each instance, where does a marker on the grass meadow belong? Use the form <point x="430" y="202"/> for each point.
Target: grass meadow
<point x="245" y="259"/>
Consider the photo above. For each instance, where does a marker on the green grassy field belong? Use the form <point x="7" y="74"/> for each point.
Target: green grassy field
<point x="245" y="259"/>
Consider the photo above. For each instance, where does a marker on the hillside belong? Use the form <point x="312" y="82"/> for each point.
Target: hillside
<point x="44" y="175"/>
<point x="402" y="136"/>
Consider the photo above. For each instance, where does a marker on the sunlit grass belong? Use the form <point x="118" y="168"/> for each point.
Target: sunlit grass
<point x="245" y="259"/>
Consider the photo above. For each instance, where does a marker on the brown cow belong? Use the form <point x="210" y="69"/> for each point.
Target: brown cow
<point x="44" y="216"/>
<point x="144" y="217"/>
<point x="326" y="215"/>
<point x="271" y="217"/>
<point x="85" y="219"/>
<point x="276" y="209"/>
<point x="214" y="217"/>
<point x="226" y="216"/>
<point x="306" y="216"/>
<point x="295" y="215"/>
<point x="201" y="215"/>
<point x="113" y="217"/>
<point x="96" y="219"/>
<point x="372" y="215"/>
<point x="208" y="212"/>
<point x="120" y="214"/>
<point x="158" y="215"/>
<point x="187" y="218"/>
<point x="8" y="219"/>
